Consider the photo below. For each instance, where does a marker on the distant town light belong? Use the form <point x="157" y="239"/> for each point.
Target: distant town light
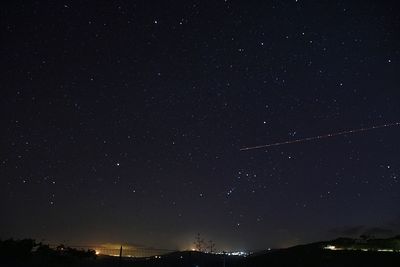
<point x="386" y="250"/>
<point x="330" y="247"/>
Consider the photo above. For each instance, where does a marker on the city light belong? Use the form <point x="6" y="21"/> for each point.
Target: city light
<point x="386" y="250"/>
<point x="331" y="247"/>
<point x="233" y="253"/>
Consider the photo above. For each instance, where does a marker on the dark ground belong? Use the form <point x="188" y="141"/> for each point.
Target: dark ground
<point x="20" y="253"/>
<point x="277" y="258"/>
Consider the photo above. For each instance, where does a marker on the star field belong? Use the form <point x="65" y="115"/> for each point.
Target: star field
<point x="123" y="122"/>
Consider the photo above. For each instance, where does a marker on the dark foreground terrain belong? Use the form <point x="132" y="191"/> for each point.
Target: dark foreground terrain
<point x="28" y="253"/>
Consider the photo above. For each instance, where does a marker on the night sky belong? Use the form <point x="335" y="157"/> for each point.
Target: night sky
<point x="122" y="121"/>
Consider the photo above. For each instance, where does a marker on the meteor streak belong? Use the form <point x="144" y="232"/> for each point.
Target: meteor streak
<point x="301" y="140"/>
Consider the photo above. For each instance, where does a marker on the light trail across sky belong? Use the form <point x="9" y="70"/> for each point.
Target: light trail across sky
<point x="301" y="140"/>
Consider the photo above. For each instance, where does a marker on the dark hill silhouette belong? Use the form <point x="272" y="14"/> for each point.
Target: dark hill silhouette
<point x="15" y="253"/>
